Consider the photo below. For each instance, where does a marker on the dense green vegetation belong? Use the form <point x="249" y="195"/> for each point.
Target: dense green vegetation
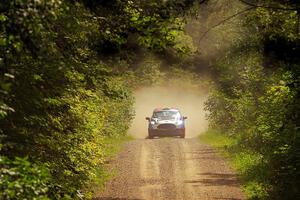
<point x="66" y="82"/>
<point x="68" y="68"/>
<point x="246" y="162"/>
<point x="256" y="96"/>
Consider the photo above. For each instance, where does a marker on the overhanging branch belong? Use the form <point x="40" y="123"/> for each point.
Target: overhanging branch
<point x="203" y="1"/>
<point x="223" y="21"/>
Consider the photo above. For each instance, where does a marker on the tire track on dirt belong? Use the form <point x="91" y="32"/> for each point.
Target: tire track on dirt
<point x="150" y="171"/>
<point x="171" y="168"/>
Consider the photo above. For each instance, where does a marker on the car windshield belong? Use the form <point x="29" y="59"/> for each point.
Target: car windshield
<point x="166" y="115"/>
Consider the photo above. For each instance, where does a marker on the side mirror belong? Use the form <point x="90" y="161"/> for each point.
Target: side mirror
<point x="148" y="118"/>
<point x="184" y="117"/>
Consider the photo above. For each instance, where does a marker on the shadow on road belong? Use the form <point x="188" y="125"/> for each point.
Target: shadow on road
<point x="215" y="179"/>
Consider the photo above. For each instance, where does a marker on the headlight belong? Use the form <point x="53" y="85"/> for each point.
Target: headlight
<point x="180" y="122"/>
<point x="153" y="125"/>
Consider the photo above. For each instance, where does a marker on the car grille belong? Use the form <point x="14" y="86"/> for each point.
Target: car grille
<point x="167" y="126"/>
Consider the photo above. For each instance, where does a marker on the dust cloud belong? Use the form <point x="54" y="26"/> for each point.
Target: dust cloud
<point x="188" y="101"/>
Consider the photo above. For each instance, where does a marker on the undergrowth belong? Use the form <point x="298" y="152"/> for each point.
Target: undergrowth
<point x="249" y="165"/>
<point x="112" y="146"/>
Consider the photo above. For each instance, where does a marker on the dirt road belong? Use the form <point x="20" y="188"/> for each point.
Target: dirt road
<point x="171" y="168"/>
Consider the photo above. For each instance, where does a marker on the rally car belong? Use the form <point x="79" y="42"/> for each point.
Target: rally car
<point x="166" y="122"/>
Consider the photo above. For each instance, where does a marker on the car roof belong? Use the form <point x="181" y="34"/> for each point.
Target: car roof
<point x="165" y="109"/>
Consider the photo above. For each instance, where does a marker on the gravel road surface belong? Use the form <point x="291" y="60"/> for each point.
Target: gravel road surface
<point x="170" y="168"/>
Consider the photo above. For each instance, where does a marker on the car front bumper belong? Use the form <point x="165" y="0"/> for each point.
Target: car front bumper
<point x="166" y="132"/>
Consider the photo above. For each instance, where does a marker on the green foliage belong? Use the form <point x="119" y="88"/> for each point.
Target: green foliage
<point x="256" y="99"/>
<point x="269" y="19"/>
<point x="213" y="137"/>
<point x="66" y="83"/>
<point x="156" y="25"/>
<point x="21" y="179"/>
<point x="249" y="164"/>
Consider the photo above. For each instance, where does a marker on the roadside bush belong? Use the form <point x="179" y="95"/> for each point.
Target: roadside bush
<point x="257" y="102"/>
<point x="66" y="80"/>
<point x="61" y="106"/>
<point x="20" y="179"/>
<point x="258" y="107"/>
<point x="252" y="168"/>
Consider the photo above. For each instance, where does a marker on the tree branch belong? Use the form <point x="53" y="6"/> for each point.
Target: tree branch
<point x="223" y="21"/>
<point x="203" y="1"/>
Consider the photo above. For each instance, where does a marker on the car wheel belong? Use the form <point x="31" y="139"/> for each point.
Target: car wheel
<point x="182" y="134"/>
<point x="150" y="136"/>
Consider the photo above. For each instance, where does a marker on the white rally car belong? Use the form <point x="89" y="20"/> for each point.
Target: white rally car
<point x="166" y="122"/>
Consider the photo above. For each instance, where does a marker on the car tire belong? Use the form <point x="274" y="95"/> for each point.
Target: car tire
<point x="150" y="136"/>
